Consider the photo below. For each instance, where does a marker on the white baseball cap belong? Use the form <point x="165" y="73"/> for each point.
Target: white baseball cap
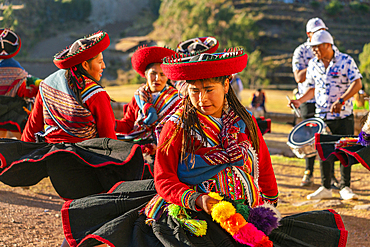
<point x="315" y="24"/>
<point x="321" y="37"/>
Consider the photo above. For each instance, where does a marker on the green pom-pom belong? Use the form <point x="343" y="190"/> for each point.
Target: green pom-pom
<point x="243" y="210"/>
<point x="174" y="210"/>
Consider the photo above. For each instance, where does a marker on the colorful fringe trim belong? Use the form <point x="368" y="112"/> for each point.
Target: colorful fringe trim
<point x="346" y="142"/>
<point x="197" y="227"/>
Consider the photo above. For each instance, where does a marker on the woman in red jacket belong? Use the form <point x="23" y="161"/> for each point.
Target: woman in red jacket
<point x="152" y="101"/>
<point x="73" y="117"/>
<point x="213" y="176"/>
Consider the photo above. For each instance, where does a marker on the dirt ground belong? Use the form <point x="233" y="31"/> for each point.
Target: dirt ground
<point x="32" y="217"/>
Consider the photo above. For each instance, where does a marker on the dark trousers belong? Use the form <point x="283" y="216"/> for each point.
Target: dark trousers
<point x="308" y="111"/>
<point x="343" y="126"/>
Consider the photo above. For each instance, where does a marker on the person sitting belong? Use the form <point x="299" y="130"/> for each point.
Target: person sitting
<point x="17" y="87"/>
<point x="213" y="174"/>
<point x="152" y="101"/>
<point x="73" y="125"/>
<point x="258" y="103"/>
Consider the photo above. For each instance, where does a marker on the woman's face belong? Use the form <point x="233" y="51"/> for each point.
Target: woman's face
<point x="95" y="67"/>
<point x="208" y="96"/>
<point x="155" y="78"/>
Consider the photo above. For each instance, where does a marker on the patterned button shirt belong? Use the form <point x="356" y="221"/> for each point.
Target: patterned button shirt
<point x="301" y="56"/>
<point x="332" y="83"/>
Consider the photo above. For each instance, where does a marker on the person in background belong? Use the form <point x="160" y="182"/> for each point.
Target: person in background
<point x="361" y="101"/>
<point x="301" y="56"/>
<point x="333" y="78"/>
<point x="237" y="85"/>
<point x="258" y="103"/>
<point x="17" y="87"/>
<point x="152" y="101"/>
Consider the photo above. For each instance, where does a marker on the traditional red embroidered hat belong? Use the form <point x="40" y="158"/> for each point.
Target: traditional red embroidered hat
<point x="144" y="56"/>
<point x="82" y="50"/>
<point x="198" y="45"/>
<point x="10" y="43"/>
<point x="203" y="66"/>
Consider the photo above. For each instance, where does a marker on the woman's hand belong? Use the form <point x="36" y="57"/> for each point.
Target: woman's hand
<point x="206" y="203"/>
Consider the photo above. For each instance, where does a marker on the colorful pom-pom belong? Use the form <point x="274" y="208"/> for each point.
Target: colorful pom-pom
<point x="222" y="211"/>
<point x="215" y="195"/>
<point x="264" y="218"/>
<point x="251" y="236"/>
<point x="243" y="210"/>
<point x="234" y="223"/>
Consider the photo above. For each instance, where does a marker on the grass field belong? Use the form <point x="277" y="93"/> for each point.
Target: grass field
<point x="275" y="99"/>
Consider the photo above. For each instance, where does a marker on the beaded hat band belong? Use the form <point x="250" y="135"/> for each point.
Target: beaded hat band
<point x="198" y="45"/>
<point x="88" y="47"/>
<point x="203" y="66"/>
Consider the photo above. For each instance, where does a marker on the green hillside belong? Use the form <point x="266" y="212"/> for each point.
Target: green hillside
<point x="282" y="29"/>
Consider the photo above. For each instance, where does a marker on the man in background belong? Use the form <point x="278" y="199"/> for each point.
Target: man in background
<point x="333" y="78"/>
<point x="301" y="56"/>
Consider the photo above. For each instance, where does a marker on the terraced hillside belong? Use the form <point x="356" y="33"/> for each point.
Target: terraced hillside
<point x="282" y="29"/>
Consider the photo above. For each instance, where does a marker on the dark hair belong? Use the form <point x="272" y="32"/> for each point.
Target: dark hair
<point x="190" y="122"/>
<point x="77" y="88"/>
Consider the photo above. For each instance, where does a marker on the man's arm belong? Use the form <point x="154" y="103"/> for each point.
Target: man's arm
<point x="300" y="75"/>
<point x="308" y="95"/>
<point x="355" y="86"/>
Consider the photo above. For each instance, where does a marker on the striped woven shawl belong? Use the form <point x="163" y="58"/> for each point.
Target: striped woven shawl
<point x="61" y="109"/>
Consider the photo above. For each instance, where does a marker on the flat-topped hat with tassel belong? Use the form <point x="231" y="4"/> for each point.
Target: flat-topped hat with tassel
<point x="10" y="43"/>
<point x="205" y="65"/>
<point x="144" y="56"/>
<point x="82" y="50"/>
<point x="198" y="45"/>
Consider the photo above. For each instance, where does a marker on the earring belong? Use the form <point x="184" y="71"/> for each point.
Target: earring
<point x="226" y="104"/>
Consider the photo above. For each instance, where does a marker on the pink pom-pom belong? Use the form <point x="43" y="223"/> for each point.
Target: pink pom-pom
<point x="251" y="236"/>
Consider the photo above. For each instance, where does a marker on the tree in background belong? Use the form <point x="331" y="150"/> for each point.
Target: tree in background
<point x="180" y="20"/>
<point x="8" y="21"/>
<point x="364" y="58"/>
<point x="254" y="75"/>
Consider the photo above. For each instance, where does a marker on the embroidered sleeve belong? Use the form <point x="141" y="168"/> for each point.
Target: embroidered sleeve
<point x="270" y="199"/>
<point x="189" y="198"/>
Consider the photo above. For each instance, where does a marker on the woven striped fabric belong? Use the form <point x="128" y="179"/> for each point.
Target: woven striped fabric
<point x="10" y="80"/>
<point x="63" y="110"/>
<point x="163" y="104"/>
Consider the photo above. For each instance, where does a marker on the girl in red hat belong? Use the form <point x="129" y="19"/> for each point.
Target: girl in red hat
<point x="213" y="176"/>
<point x="73" y="125"/>
<point x="152" y="101"/>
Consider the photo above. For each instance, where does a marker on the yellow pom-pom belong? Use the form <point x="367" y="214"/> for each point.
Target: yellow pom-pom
<point x="234" y="223"/>
<point x="222" y="211"/>
<point x="37" y="82"/>
<point x="215" y="196"/>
